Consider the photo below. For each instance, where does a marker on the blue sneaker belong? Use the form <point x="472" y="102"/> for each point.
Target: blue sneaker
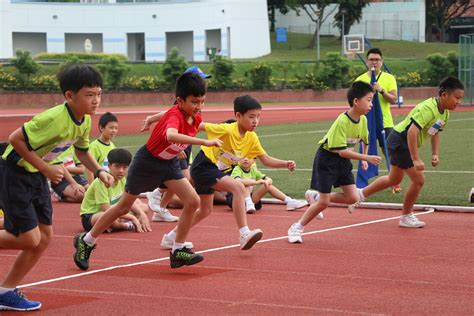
<point x="16" y="301"/>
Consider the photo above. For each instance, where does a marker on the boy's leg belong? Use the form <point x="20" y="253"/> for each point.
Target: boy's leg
<point x="29" y="256"/>
<point x="85" y="242"/>
<point x="407" y="219"/>
<point x="348" y="195"/>
<point x="381" y="183"/>
<point x="296" y="230"/>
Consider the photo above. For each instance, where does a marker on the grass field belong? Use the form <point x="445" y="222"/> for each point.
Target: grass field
<point x="448" y="184"/>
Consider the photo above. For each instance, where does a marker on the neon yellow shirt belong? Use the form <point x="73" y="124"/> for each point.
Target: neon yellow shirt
<point x="98" y="194"/>
<point x="51" y="133"/>
<point x="253" y="173"/>
<point x="388" y="83"/>
<point x="345" y="132"/>
<point x="427" y="118"/>
<point x="99" y="151"/>
<point x="234" y="148"/>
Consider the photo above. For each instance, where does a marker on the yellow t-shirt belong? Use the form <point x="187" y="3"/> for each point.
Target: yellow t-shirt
<point x="234" y="147"/>
<point x="388" y="83"/>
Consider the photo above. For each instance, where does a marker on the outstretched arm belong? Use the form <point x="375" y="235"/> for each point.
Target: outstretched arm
<point x="272" y="162"/>
<point x="351" y="154"/>
<point x="173" y="136"/>
<point x="150" y="120"/>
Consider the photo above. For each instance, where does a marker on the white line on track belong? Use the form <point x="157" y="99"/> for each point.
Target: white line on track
<point x="380" y="170"/>
<point x="210" y="250"/>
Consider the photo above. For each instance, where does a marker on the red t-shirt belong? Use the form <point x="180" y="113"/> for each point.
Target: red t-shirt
<point x="173" y="118"/>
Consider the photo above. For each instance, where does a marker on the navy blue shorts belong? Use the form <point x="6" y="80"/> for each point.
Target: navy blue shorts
<point x="398" y="152"/>
<point x="147" y="172"/>
<point x="330" y="170"/>
<point x="25" y="198"/>
<point x="61" y="186"/>
<point x="205" y="174"/>
<point x="86" y="220"/>
<point x="229" y="197"/>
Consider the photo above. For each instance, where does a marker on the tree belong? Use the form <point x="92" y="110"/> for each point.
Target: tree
<point x="316" y="11"/>
<point x="173" y="67"/>
<point x="25" y="65"/>
<point x="441" y="13"/>
<point x="114" y="70"/>
<point x="272" y="6"/>
<point x="351" y="11"/>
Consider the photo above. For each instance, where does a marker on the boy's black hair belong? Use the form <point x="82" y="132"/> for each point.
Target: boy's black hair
<point x="77" y="76"/>
<point x="3" y="147"/>
<point x="449" y="84"/>
<point x="106" y="118"/>
<point x="246" y="103"/>
<point x="358" y="90"/>
<point x="120" y="156"/>
<point x="374" y="50"/>
<point x="230" y="121"/>
<point x="188" y="84"/>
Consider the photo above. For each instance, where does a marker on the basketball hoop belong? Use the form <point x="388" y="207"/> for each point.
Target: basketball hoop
<point x="350" y="55"/>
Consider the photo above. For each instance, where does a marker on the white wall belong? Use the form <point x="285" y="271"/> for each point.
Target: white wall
<point x="247" y="20"/>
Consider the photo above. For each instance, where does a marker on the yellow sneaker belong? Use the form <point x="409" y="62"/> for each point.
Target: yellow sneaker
<point x="396" y="189"/>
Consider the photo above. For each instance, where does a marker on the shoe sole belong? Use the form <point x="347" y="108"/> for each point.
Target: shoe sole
<point x="296" y="208"/>
<point x="298" y="241"/>
<point x="252" y="241"/>
<point x="408" y="226"/>
<point x="9" y="308"/>
<point x="164" y="220"/>
<point x="179" y="264"/>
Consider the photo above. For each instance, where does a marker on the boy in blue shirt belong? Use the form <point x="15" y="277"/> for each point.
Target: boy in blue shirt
<point x="26" y="164"/>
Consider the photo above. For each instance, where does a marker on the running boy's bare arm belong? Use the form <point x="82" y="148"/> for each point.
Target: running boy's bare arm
<point x="412" y="138"/>
<point x="435" y="149"/>
<point x="273" y="162"/>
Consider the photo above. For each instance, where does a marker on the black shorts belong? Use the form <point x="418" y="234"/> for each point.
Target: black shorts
<point x="398" y="152"/>
<point x="147" y="172"/>
<point x="388" y="131"/>
<point x="229" y="198"/>
<point x="86" y="220"/>
<point x="61" y="186"/>
<point x="205" y="174"/>
<point x="25" y="198"/>
<point x="330" y="169"/>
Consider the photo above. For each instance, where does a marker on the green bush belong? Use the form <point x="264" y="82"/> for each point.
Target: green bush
<point x="173" y="67"/>
<point x="44" y="83"/>
<point x="333" y="71"/>
<point x="114" y="71"/>
<point x="411" y="79"/>
<point x="145" y="83"/>
<point x="81" y="56"/>
<point x="453" y="59"/>
<point x="25" y="65"/>
<point x="222" y="69"/>
<point x="8" y="81"/>
<point x="259" y="76"/>
<point x="438" y="68"/>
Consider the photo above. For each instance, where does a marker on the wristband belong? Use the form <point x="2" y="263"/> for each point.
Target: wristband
<point x="96" y="173"/>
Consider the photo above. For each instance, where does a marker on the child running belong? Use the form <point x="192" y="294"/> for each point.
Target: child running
<point x="332" y="164"/>
<point x="212" y="167"/>
<point x="156" y="163"/>
<point x="425" y="121"/>
<point x="26" y="164"/>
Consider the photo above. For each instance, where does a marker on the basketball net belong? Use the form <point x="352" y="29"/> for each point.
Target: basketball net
<point x="350" y="55"/>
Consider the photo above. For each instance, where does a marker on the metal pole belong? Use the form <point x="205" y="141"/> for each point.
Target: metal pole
<point x="317" y="41"/>
<point x="342" y="33"/>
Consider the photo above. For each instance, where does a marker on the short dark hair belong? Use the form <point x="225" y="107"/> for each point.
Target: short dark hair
<point x="3" y="147"/>
<point x="358" y="90"/>
<point x="246" y="103"/>
<point x="449" y="84"/>
<point x="190" y="83"/>
<point x="106" y="118"/>
<point x="120" y="156"/>
<point x="374" y="50"/>
<point x="75" y="77"/>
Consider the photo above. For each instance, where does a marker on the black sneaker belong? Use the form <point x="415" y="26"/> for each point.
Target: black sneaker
<point x="183" y="257"/>
<point x="83" y="252"/>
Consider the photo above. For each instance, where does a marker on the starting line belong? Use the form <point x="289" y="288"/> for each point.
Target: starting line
<point x="211" y="250"/>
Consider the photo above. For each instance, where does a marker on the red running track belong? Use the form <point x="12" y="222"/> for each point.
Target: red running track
<point x="371" y="268"/>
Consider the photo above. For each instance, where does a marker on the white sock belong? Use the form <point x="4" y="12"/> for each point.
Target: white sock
<point x="298" y="226"/>
<point x="177" y="246"/>
<point x="248" y="201"/>
<point x="361" y="194"/>
<point x="244" y="230"/>
<point x="287" y="199"/>
<point x="4" y="290"/>
<point x="171" y="235"/>
<point x="88" y="239"/>
<point x="130" y="225"/>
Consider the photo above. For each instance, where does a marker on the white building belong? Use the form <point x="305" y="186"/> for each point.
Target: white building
<point x="141" y="30"/>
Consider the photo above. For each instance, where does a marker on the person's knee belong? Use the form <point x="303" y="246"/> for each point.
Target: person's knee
<point x="239" y="189"/>
<point x="419" y="181"/>
<point x="193" y="202"/>
<point x="353" y="198"/>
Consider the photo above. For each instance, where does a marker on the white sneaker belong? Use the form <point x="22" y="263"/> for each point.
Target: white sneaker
<point x="249" y="239"/>
<point x="351" y="208"/>
<point x="295" y="204"/>
<point x="250" y="208"/>
<point x="294" y="235"/>
<point x="164" y="215"/>
<point x="410" y="221"/>
<point x="167" y="243"/>
<point x="320" y="215"/>
<point x="154" y="200"/>
<point x="311" y="196"/>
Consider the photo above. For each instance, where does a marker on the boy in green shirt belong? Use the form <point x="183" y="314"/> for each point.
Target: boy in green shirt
<point x="26" y="164"/>
<point x="98" y="198"/>
<point x="332" y="165"/>
<point x="246" y="171"/>
<point x="426" y="120"/>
